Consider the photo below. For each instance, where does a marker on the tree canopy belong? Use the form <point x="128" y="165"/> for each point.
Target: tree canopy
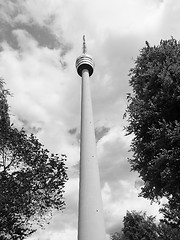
<point x="31" y="179"/>
<point x="137" y="225"/>
<point x="154" y="118"/>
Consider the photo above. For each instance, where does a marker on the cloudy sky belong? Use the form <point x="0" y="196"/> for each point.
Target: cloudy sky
<point x="39" y="43"/>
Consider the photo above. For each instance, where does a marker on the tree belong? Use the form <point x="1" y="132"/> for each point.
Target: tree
<point x="167" y="232"/>
<point x="138" y="225"/>
<point x="118" y="236"/>
<point x="171" y="212"/>
<point x="154" y="118"/>
<point x="31" y="179"/>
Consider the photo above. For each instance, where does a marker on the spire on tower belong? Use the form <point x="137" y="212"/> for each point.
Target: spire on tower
<point x="84" y="45"/>
<point x="84" y="61"/>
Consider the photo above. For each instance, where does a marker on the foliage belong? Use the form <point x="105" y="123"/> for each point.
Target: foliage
<point x="171" y="211"/>
<point x="118" y="236"/>
<point x="31" y="179"/>
<point x="154" y="118"/>
<point x="167" y="232"/>
<point x="137" y="225"/>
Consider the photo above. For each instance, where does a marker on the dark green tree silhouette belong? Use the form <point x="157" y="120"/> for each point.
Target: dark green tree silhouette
<point x="31" y="179"/>
<point x="154" y="118"/>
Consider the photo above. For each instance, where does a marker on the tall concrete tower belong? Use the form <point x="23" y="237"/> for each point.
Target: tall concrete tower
<point x="90" y="219"/>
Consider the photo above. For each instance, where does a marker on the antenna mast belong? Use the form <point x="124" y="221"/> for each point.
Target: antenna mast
<point x="84" y="45"/>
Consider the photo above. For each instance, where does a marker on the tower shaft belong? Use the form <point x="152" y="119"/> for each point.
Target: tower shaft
<point x="91" y="220"/>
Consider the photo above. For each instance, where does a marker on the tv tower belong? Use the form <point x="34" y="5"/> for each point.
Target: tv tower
<point x="90" y="216"/>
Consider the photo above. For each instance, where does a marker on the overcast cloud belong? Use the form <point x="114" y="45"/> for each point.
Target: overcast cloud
<point x="39" y="43"/>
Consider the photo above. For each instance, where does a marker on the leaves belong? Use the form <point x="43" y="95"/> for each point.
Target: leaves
<point x="153" y="113"/>
<point x="137" y="225"/>
<point x="31" y="179"/>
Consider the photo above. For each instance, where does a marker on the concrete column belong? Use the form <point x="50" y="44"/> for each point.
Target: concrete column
<point x="91" y="220"/>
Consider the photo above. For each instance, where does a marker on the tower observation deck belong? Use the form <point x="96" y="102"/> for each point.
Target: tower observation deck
<point x="84" y="61"/>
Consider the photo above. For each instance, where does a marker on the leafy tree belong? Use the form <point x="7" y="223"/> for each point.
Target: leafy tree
<point x="138" y="225"/>
<point x="154" y="118"/>
<point x="31" y="179"/>
<point x="171" y="212"/>
<point x="118" y="236"/>
<point x="167" y="232"/>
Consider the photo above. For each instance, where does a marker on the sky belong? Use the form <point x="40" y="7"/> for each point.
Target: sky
<point x="39" y="43"/>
